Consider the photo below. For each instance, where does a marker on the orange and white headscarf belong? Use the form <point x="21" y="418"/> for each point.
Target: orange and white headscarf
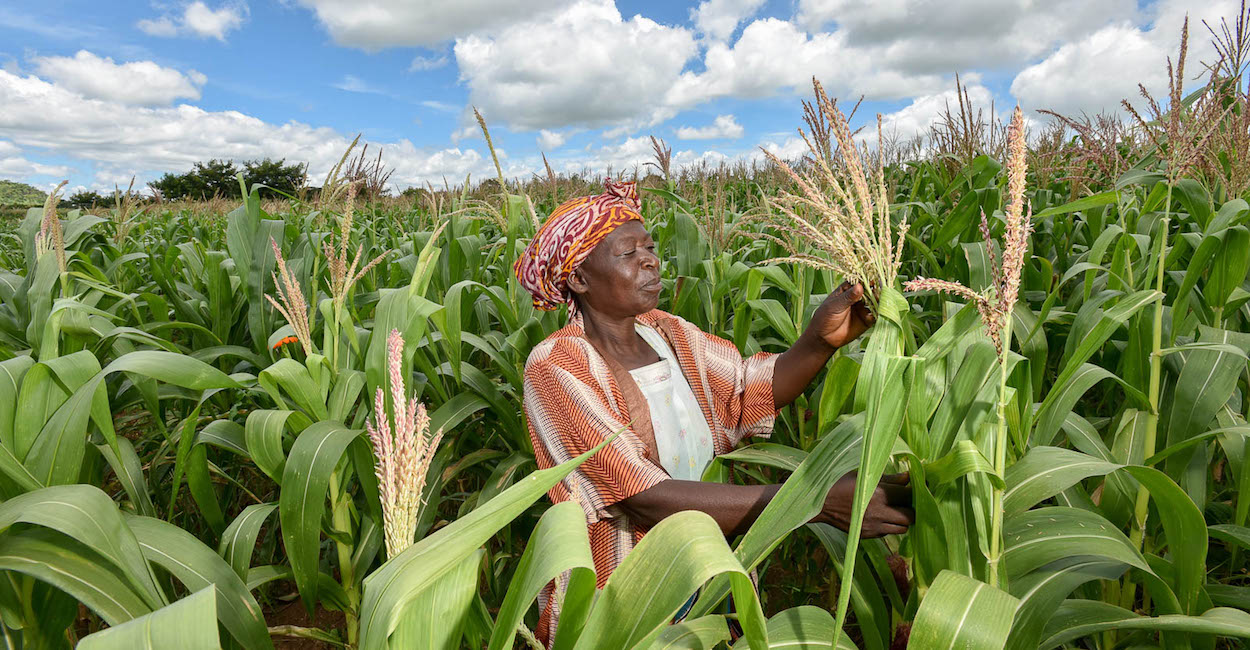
<point x="567" y="239"/>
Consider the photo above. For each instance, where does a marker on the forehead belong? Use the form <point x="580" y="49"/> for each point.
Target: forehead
<point x="632" y="229"/>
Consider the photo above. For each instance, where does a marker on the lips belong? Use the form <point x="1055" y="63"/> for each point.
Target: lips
<point x="653" y="285"/>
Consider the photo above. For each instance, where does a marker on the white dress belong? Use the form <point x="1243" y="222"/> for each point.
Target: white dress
<point x="682" y="437"/>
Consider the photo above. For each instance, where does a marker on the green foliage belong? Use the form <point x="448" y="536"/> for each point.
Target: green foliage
<point x="20" y="195"/>
<point x="216" y="178"/>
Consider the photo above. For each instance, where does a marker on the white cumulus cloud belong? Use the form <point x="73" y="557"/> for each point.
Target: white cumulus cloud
<point x="1094" y="73"/>
<point x="147" y="141"/>
<point x="723" y="127"/>
<point x="198" y="19"/>
<point x="773" y="56"/>
<point x="376" y="24"/>
<point x="586" y="66"/>
<point x="923" y="112"/>
<point x="927" y="36"/>
<point x="717" y="19"/>
<point x="142" y="83"/>
<point x="548" y="140"/>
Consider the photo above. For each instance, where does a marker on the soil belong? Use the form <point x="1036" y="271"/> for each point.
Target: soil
<point x="294" y="613"/>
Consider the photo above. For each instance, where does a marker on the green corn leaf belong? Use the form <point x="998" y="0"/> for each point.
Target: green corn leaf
<point x="75" y="569"/>
<point x="129" y="472"/>
<point x="1228" y="269"/>
<point x="1038" y="537"/>
<point x="1108" y="322"/>
<point x="1044" y="590"/>
<point x="263" y="432"/>
<point x="838" y="386"/>
<point x="872" y="614"/>
<point x="697" y="634"/>
<point x="884" y="418"/>
<point x="1239" y="535"/>
<point x="559" y="543"/>
<point x="652" y="583"/>
<point x="88" y="515"/>
<point x="1103" y="198"/>
<point x="390" y="588"/>
<point x="1080" y="618"/>
<point x="1206" y="382"/>
<point x="436" y="618"/>
<point x="980" y="362"/>
<point x="768" y="454"/>
<point x="12" y="374"/>
<point x="960" y="612"/>
<point x="302" y="501"/>
<point x="1046" y="471"/>
<point x="56" y="455"/>
<point x="796" y="503"/>
<point x="196" y="566"/>
<point x="293" y="379"/>
<point x="802" y="628"/>
<point x="1062" y="399"/>
<point x="247" y="240"/>
<point x="966" y="458"/>
<point x="456" y="410"/>
<point x="44" y="388"/>
<point x="777" y="317"/>
<point x="405" y="311"/>
<point x="239" y="539"/>
<point x="190" y="624"/>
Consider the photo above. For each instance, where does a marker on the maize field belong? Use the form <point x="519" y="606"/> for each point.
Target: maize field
<point x="298" y="423"/>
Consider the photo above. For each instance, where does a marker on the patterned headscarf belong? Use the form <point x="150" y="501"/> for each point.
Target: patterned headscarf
<point x="568" y="237"/>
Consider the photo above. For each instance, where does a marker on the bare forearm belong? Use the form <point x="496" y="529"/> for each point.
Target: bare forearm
<point x="734" y="507"/>
<point x="797" y="367"/>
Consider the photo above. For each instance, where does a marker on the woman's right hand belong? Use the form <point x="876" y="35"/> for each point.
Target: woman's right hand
<point x="889" y="509"/>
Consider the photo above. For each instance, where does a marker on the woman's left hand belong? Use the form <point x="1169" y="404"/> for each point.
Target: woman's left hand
<point x="843" y="316"/>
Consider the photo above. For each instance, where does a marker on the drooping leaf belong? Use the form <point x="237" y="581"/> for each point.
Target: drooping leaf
<point x="559" y="543"/>
<point x="1079" y="618"/>
<point x="196" y="566"/>
<point x="652" y="583"/>
<point x="190" y="623"/>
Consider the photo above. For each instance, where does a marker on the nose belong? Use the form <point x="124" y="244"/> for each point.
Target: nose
<point x="650" y="260"/>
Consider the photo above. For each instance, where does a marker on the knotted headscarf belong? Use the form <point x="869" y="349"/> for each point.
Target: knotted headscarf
<point x="567" y="239"/>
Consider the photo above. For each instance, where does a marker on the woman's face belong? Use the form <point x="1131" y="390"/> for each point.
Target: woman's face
<point x="621" y="276"/>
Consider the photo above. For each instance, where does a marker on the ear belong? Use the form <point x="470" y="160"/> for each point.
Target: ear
<point x="577" y="282"/>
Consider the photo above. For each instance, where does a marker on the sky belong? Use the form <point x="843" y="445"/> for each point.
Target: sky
<point x="99" y="92"/>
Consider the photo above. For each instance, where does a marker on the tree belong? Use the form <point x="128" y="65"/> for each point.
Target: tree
<point x="274" y="174"/>
<point x="86" y="199"/>
<point x="217" y="178"/>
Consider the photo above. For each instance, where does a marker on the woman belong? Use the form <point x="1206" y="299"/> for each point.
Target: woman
<point x="681" y="396"/>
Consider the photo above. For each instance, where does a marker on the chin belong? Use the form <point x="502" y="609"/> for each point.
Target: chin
<point x="647" y="304"/>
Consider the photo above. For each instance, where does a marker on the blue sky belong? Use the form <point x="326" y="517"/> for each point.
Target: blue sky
<point x="96" y="92"/>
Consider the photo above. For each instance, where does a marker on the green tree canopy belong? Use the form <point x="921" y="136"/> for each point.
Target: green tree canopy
<point x="217" y="178"/>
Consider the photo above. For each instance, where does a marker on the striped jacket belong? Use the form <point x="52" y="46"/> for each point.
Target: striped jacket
<point x="576" y="397"/>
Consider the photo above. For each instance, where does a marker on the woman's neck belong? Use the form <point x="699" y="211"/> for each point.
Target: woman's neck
<point x="616" y="336"/>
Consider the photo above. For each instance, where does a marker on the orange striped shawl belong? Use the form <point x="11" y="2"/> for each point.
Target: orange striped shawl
<point x="573" y="402"/>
